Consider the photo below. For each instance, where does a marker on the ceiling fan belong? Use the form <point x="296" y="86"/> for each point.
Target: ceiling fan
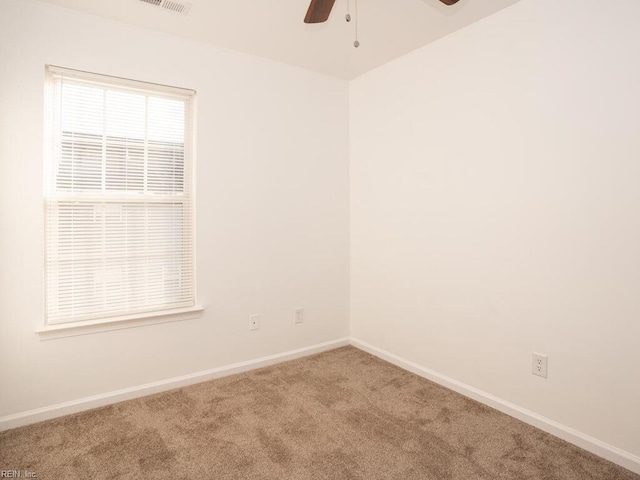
<point x="319" y="10"/>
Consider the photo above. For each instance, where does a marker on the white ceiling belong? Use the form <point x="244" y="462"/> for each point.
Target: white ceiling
<point x="274" y="28"/>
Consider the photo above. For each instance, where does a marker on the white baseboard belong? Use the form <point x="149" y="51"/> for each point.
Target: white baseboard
<point x="593" y="445"/>
<point x="82" y="404"/>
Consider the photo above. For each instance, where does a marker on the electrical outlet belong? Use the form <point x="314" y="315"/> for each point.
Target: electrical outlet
<point x="539" y="365"/>
<point x="254" y="322"/>
<point x="299" y="318"/>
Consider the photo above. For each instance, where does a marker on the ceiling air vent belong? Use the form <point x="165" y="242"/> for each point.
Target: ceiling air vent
<point x="174" y="6"/>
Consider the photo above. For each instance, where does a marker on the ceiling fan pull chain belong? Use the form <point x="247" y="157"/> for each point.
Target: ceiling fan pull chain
<point x="347" y="17"/>
<point x="357" y="42"/>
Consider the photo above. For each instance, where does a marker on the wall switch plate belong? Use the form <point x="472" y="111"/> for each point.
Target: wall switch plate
<point x="539" y="365"/>
<point x="299" y="317"/>
<point x="254" y="322"/>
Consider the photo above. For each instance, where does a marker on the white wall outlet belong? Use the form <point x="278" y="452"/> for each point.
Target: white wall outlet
<point x="539" y="365"/>
<point x="299" y="317"/>
<point x="254" y="322"/>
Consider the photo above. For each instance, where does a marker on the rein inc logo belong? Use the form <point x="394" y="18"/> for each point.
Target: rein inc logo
<point x="17" y="474"/>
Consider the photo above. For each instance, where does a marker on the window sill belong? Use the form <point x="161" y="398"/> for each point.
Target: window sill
<point x="51" y="332"/>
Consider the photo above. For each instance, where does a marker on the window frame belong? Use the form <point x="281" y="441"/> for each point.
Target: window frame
<point x="51" y="196"/>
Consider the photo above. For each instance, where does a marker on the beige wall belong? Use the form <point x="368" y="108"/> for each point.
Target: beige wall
<point x="495" y="210"/>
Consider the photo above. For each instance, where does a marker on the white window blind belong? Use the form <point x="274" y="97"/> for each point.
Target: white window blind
<point x="118" y="198"/>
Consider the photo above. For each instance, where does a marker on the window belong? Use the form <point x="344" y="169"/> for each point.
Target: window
<point x="118" y="199"/>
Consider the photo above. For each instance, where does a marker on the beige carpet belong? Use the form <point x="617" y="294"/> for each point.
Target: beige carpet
<point x="339" y="415"/>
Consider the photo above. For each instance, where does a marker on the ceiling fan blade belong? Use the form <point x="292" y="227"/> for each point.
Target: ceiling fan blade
<point x="449" y="2"/>
<point x="319" y="11"/>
